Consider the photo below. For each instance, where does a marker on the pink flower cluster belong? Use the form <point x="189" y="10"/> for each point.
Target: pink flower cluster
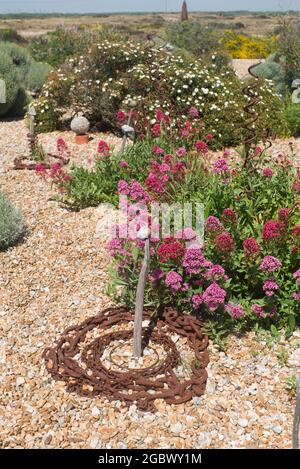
<point x="135" y="190"/>
<point x="221" y="166"/>
<point x="251" y="247"/>
<point x="270" y="287"/>
<point x="103" y="148"/>
<point x="161" y="174"/>
<point x="273" y="229"/>
<point x="224" y="243"/>
<point x="173" y="281"/>
<point x="213" y="225"/>
<point x="193" y="260"/>
<point x="56" y="174"/>
<point x="270" y="264"/>
<point x="262" y="312"/>
<point x="235" y="311"/>
<point x="214" y="296"/>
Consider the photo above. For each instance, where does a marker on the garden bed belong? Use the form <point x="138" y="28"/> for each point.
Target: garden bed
<point x="56" y="278"/>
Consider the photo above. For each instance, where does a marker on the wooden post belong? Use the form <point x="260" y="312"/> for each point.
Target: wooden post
<point x="32" y="114"/>
<point x="139" y="304"/>
<point x="297" y="418"/>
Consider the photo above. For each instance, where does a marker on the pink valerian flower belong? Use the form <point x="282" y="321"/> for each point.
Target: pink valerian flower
<point x="116" y="248"/>
<point x="259" y="310"/>
<point x="226" y="154"/>
<point x="121" y="116"/>
<point x="103" y="148"/>
<point x="224" y="243"/>
<point x="62" y="147"/>
<point x="156" y="275"/>
<point x="273" y="229"/>
<point x="171" y="249"/>
<point x="162" y="117"/>
<point x="193" y="111"/>
<point x="268" y="172"/>
<point x="235" y="311"/>
<point x="58" y="176"/>
<point x="138" y="193"/>
<point x="123" y="187"/>
<point x="156" y="130"/>
<point x="229" y="215"/>
<point x="215" y="272"/>
<point x="187" y="234"/>
<point x="270" y="287"/>
<point x="197" y="301"/>
<point x="221" y="166"/>
<point x="157" y="150"/>
<point x="214" y="296"/>
<point x="296" y="296"/>
<point x="40" y="169"/>
<point x="296" y="276"/>
<point x="193" y="260"/>
<point x="123" y="164"/>
<point x="296" y="231"/>
<point x="213" y="225"/>
<point x="258" y="151"/>
<point x="181" y="152"/>
<point x="270" y="264"/>
<point x="209" y="137"/>
<point x="251" y="247"/>
<point x="173" y="281"/>
<point x="284" y="214"/>
<point x="201" y="147"/>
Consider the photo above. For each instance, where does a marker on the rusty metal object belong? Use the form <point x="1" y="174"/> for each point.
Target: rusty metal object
<point x="22" y="161"/>
<point x="141" y="386"/>
<point x="249" y="108"/>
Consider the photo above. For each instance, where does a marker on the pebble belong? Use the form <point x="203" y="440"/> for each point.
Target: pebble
<point x="243" y="423"/>
<point x="60" y="261"/>
<point x="95" y="411"/>
<point x="20" y="381"/>
<point x="176" y="428"/>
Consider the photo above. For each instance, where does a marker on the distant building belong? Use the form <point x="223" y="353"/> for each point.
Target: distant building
<point x="184" y="12"/>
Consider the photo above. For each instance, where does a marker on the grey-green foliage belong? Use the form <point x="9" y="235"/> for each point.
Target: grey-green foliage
<point x="193" y="37"/>
<point x="9" y="75"/>
<point x="11" y="223"/>
<point x="36" y="76"/>
<point x="21" y="73"/>
<point x="273" y="70"/>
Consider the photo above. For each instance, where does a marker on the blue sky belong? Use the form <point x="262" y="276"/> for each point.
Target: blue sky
<point x="83" y="6"/>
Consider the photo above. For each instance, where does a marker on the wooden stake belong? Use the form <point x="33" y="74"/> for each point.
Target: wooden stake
<point x="297" y="418"/>
<point x="139" y="304"/>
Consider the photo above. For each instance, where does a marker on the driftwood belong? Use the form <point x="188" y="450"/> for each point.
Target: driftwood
<point x="297" y="418"/>
<point x="139" y="305"/>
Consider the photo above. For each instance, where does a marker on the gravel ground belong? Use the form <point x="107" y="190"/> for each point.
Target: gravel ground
<point x="56" y="278"/>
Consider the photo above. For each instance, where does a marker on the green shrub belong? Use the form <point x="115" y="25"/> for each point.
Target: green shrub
<point x="274" y="71"/>
<point x="293" y="119"/>
<point x="9" y="34"/>
<point x="9" y="75"/>
<point x="111" y="75"/>
<point x="20" y="73"/>
<point x="192" y="36"/>
<point x="56" y="46"/>
<point x="11" y="223"/>
<point x="36" y="76"/>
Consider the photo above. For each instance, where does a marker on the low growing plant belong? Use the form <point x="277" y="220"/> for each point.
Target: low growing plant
<point x="11" y="223"/>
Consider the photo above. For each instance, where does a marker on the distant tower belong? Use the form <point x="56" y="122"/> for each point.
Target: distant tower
<point x="184" y="12"/>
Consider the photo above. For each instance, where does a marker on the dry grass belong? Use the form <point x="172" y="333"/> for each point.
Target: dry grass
<point x="254" y="23"/>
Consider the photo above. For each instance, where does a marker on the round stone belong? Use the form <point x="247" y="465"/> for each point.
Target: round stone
<point x="80" y="125"/>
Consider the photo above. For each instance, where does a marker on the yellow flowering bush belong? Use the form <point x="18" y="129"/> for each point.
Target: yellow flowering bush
<point x="240" y="46"/>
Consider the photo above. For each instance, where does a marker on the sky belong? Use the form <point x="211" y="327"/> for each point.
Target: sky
<point x="105" y="6"/>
